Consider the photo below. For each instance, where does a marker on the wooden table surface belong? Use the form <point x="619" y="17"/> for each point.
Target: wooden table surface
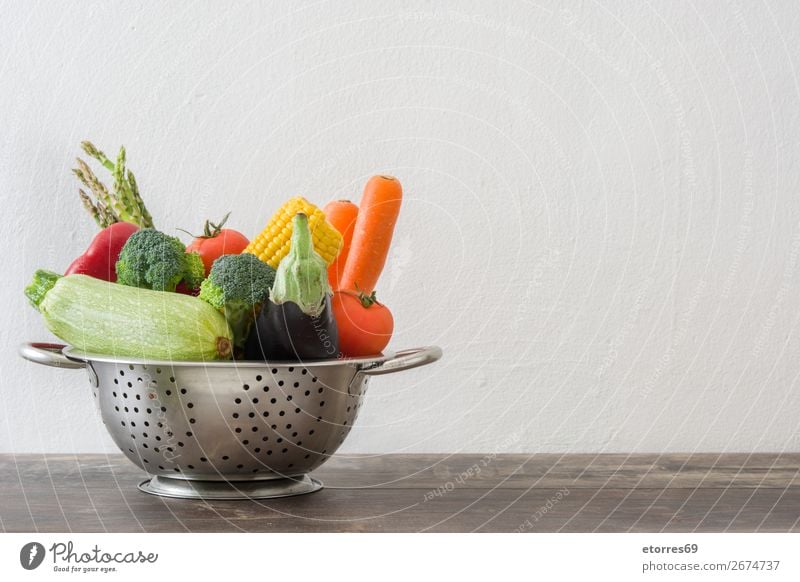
<point x="417" y="493"/>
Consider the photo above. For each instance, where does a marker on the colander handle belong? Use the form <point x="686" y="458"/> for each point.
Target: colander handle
<point x="405" y="360"/>
<point x="48" y="355"/>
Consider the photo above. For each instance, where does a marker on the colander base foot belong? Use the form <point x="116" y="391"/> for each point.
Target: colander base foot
<point x="266" y="489"/>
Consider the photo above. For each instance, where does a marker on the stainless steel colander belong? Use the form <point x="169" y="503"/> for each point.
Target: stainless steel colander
<point x="228" y="430"/>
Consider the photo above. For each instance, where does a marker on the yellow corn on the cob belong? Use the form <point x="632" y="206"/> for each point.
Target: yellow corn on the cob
<point x="274" y="241"/>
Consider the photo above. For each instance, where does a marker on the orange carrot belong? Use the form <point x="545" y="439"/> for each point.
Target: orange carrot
<point x="372" y="235"/>
<point x="341" y="214"/>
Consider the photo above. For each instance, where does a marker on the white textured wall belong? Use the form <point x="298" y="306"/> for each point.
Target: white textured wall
<point x="602" y="222"/>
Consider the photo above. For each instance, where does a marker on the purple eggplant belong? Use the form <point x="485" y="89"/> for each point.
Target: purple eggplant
<point x="296" y="322"/>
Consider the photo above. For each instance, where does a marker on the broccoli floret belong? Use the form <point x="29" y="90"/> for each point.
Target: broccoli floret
<point x="154" y="260"/>
<point x="237" y="286"/>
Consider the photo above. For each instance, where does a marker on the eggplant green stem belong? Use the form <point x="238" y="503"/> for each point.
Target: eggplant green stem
<point x="302" y="275"/>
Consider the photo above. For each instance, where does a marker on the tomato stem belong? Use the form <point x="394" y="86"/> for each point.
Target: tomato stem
<point x="210" y="230"/>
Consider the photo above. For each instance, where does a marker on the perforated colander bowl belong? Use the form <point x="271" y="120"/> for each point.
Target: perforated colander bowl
<point x="226" y="430"/>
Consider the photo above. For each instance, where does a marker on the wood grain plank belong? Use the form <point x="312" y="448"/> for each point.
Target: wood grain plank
<point x="412" y="493"/>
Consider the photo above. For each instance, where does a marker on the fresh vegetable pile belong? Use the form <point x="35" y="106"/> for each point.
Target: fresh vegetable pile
<point x="304" y="288"/>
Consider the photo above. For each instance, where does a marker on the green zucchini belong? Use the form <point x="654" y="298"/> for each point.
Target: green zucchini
<point x="107" y="318"/>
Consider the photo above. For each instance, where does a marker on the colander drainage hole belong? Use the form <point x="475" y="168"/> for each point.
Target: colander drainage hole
<point x="203" y="460"/>
<point x="273" y="400"/>
<point x="291" y="369"/>
<point x="304" y="372"/>
<point x="266" y="388"/>
<point x="252" y="415"/>
<point x="161" y="467"/>
<point x="122" y="422"/>
<point x="188" y="433"/>
<point x="266" y="413"/>
<point x="281" y="413"/>
<point x="258" y="378"/>
<point x="225" y="457"/>
<point x="190" y="405"/>
<point x="296" y="384"/>
<point x="168" y="393"/>
<point x="121" y="373"/>
<point x="130" y="384"/>
<point x="255" y="429"/>
<point x="240" y="466"/>
<point x="285" y="450"/>
<point x="274" y="370"/>
<point x="183" y="390"/>
<point x="255" y="400"/>
<point x="245" y="386"/>
<point x="238" y="400"/>
<point x="245" y="442"/>
<point x="190" y="466"/>
<point x="238" y="429"/>
<point x="235" y="415"/>
<point x="319" y="391"/>
<point x="257" y="450"/>
<point x="280" y="382"/>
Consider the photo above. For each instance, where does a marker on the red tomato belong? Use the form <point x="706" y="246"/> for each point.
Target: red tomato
<point x="365" y="326"/>
<point x="217" y="241"/>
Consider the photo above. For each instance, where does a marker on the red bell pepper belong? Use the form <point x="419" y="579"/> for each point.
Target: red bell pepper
<point x="100" y="259"/>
